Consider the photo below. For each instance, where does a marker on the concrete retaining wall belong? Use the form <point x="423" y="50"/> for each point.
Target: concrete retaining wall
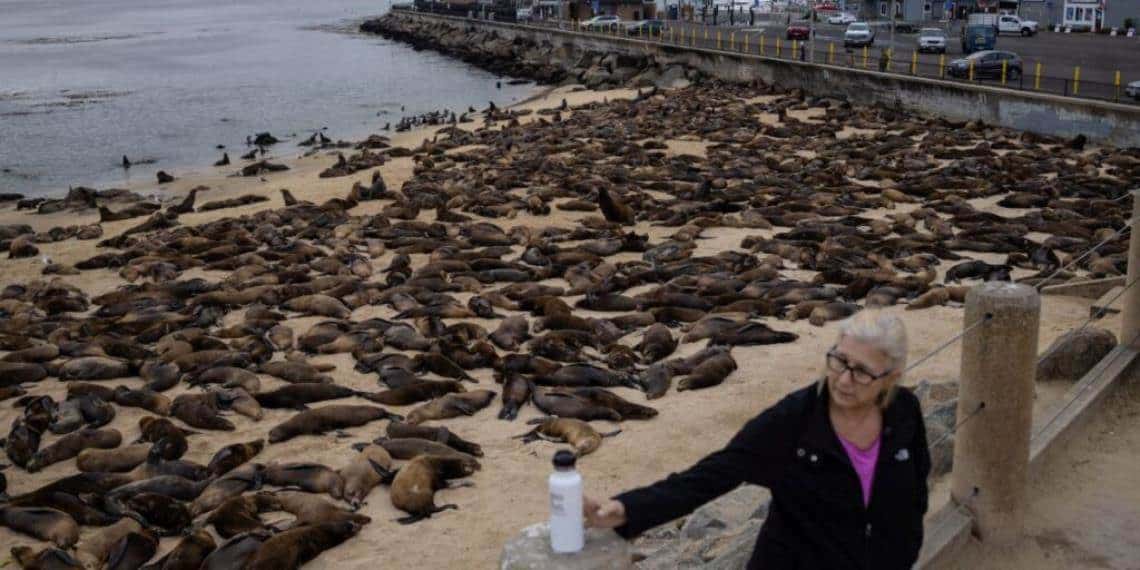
<point x="1052" y="115"/>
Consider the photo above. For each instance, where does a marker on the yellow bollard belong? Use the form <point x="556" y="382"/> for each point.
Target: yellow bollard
<point x="1004" y="70"/>
<point x="864" y="57"/>
<point x="795" y="47"/>
<point x="718" y="46"/>
<point x="890" y="57"/>
<point x="914" y="62"/>
<point x="761" y="45"/>
<point x="942" y="66"/>
<point x="831" y="53"/>
<point x="706" y="33"/>
<point x="732" y="41"/>
<point x="745" y="49"/>
<point x="1076" y="80"/>
<point x="1037" y="77"/>
<point x="971" y="70"/>
<point x="777" y="46"/>
<point x="672" y="36"/>
<point x="694" y="40"/>
<point x="1116" y="87"/>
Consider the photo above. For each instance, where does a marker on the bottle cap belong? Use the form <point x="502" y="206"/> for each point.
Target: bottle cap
<point x="564" y="459"/>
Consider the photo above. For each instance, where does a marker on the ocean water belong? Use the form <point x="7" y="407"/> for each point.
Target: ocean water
<point x="84" y="82"/>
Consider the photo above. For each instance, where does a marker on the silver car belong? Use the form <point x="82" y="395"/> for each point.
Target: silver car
<point x="1133" y="90"/>
<point x="932" y="40"/>
<point x="858" y="34"/>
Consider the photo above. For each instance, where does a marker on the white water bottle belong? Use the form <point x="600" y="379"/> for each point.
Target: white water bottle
<point x="567" y="532"/>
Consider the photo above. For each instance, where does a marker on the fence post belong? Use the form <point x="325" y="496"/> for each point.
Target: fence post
<point x="942" y="66"/>
<point x="718" y="46"/>
<point x="831" y="53"/>
<point x="761" y="44"/>
<point x="777" y="46"/>
<point x="914" y="62"/>
<point x="864" y="57"/>
<point x="1116" y="87"/>
<point x="971" y="70"/>
<point x="991" y="451"/>
<point x="1130" y="319"/>
<point x="1076" y="80"/>
<point x="745" y="50"/>
<point x="732" y="41"/>
<point x="1037" y="77"/>
<point x="1004" y="70"/>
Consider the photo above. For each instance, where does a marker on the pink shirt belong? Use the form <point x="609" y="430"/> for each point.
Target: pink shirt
<point x="863" y="460"/>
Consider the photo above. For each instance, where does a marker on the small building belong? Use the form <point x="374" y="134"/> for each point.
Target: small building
<point x="624" y="9"/>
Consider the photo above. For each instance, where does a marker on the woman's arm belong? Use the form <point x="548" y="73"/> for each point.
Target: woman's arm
<point x="757" y="454"/>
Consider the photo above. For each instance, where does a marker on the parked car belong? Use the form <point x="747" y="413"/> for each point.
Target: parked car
<point x="905" y="28"/>
<point x="604" y="23"/>
<point x="798" y="31"/>
<point x="858" y="34"/>
<point x="1133" y="90"/>
<point x="842" y="18"/>
<point x="522" y="14"/>
<point x="987" y="64"/>
<point x="646" y="28"/>
<point x="1015" y="25"/>
<point x="932" y="40"/>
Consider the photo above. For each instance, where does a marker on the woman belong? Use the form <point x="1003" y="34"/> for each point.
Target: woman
<point x="845" y="459"/>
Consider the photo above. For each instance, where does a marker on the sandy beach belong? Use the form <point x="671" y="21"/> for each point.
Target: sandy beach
<point x="509" y="491"/>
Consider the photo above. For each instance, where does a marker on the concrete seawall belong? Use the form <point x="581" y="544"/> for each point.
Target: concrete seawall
<point x="1050" y="115"/>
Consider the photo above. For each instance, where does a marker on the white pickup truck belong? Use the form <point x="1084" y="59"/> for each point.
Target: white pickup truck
<point x="1014" y="25"/>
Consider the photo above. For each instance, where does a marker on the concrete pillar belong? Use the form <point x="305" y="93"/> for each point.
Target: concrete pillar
<point x="530" y="550"/>
<point x="1130" y="319"/>
<point x="991" y="447"/>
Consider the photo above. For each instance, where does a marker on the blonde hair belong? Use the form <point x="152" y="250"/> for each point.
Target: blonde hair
<point x="883" y="331"/>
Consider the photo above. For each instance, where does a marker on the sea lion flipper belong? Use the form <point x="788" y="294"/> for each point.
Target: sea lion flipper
<point x="610" y="434"/>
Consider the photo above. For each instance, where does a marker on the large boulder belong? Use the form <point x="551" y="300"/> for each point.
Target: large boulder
<point x="1074" y="353"/>
<point x="728" y="511"/>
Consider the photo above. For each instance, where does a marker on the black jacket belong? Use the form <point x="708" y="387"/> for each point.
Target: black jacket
<point x="816" y="518"/>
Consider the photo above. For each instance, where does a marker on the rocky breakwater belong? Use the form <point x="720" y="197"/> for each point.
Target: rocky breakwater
<point x="544" y="62"/>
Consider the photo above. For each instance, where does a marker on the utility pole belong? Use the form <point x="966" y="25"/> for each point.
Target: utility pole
<point x="891" y="45"/>
<point x="811" y="29"/>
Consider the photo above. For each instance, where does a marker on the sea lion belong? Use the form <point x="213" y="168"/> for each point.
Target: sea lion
<point x="320" y="420"/>
<point x="294" y="372"/>
<point x="564" y="405"/>
<point x="132" y="551"/>
<point x="240" y="514"/>
<point x="22" y="443"/>
<point x="832" y="311"/>
<point x="81" y="512"/>
<point x="162" y="513"/>
<point x="655" y="380"/>
<point x="155" y="430"/>
<point x="94" y="368"/>
<point x="579" y="434"/>
<point x="42" y="523"/>
<point x="95" y="548"/>
<point x="296" y="546"/>
<point x="451" y="406"/>
<point x="39" y="353"/>
<point x="398" y="430"/>
<point x="231" y="456"/>
<point x="751" y="334"/>
<point x="516" y="392"/>
<point x="586" y="375"/>
<point x="657" y="343"/>
<point x="310" y="477"/>
<point x="148" y="400"/>
<point x="364" y="472"/>
<point x="190" y="553"/>
<point x="72" y="444"/>
<point x="113" y="460"/>
<point x="708" y="373"/>
<point x="312" y="509"/>
<point x="228" y="377"/>
<point x="320" y="305"/>
<point x="602" y="397"/>
<point x="440" y="364"/>
<point x="298" y="396"/>
<point x="234" y="552"/>
<point x="413" y="489"/>
<point x="512" y="332"/>
<point x="200" y="411"/>
<point x="16" y="373"/>
<point x="410" y="448"/>
<point x="614" y="208"/>
<point x="50" y="558"/>
<point x="159" y="376"/>
<point x="414" y="393"/>
<point x="248" y="477"/>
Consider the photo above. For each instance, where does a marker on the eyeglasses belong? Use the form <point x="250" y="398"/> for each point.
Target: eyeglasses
<point x="839" y="365"/>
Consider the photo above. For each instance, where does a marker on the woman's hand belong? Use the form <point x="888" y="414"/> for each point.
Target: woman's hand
<point x="608" y="514"/>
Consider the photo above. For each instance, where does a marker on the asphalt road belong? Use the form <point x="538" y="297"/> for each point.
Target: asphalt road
<point x="1099" y="57"/>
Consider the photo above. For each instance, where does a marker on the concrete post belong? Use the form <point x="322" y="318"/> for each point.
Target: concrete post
<point x="995" y="408"/>
<point x="530" y="550"/>
<point x="1130" y="319"/>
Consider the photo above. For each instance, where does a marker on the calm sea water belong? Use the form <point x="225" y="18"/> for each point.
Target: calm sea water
<point x="83" y="82"/>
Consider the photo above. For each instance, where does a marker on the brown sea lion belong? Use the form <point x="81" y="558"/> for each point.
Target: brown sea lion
<point x="586" y="375"/>
<point x="398" y="430"/>
<point x="236" y="551"/>
<point x="132" y="551"/>
<point x="94" y="368"/>
<point x="200" y="411"/>
<point x="189" y="554"/>
<point x="413" y="489"/>
<point x="113" y="460"/>
<point x="579" y="434"/>
<point x="554" y="402"/>
<point x="42" y="523"/>
<point x="751" y="334"/>
<point x="240" y="514"/>
<point x="96" y="547"/>
<point x="321" y="305"/>
<point x="248" y="477"/>
<point x="155" y="430"/>
<point x="16" y="373"/>
<point x="512" y="332"/>
<point x="228" y="377"/>
<point x="148" y="400"/>
<point x="414" y="393"/>
<point x="39" y="353"/>
<point x="72" y="444"/>
<point x="655" y="380"/>
<point x="708" y="373"/>
<point x="602" y="397"/>
<point x="614" y="208"/>
<point x="451" y="406"/>
<point x="22" y="443"/>
<point x="75" y="507"/>
<point x="328" y="418"/>
<point x="50" y="558"/>
<point x="364" y="472"/>
<point x="657" y="343"/>
<point x="159" y="376"/>
<point x="294" y="372"/>
<point x="440" y="364"/>
<point x="310" y="477"/>
<point x="298" y="396"/>
<point x="296" y="546"/>
<point x="832" y="311"/>
<point x="516" y="393"/>
<point x="231" y="456"/>
<point x="312" y="509"/>
<point x="410" y="448"/>
<point x="164" y="514"/>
